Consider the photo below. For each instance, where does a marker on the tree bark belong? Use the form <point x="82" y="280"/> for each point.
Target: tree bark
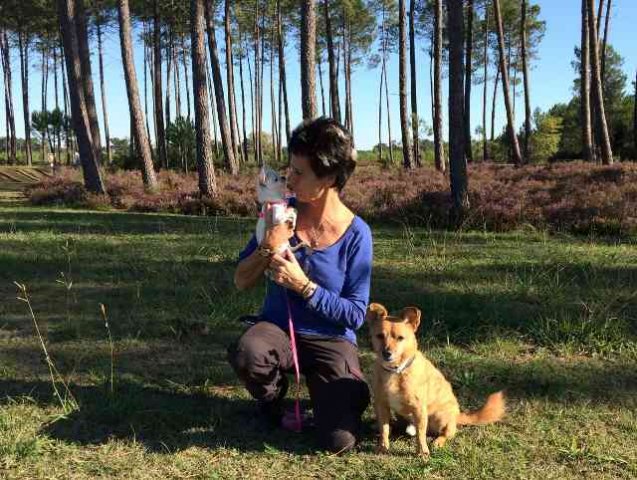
<point x="468" y="81"/>
<point x="391" y="143"/>
<point x="457" y="162"/>
<point x="230" y="79"/>
<point x="493" y="103"/>
<point x="90" y="166"/>
<point x="335" y="103"/>
<point x="585" y="94"/>
<point x="414" y="86"/>
<point x="439" y="152"/>
<point x="132" y="91"/>
<point x="598" y="94"/>
<point x="604" y="42"/>
<point x="226" y="141"/>
<point x="186" y="79"/>
<point x="408" y="160"/>
<point x="23" y="45"/>
<point x="485" y="145"/>
<point x="244" y="144"/>
<point x="8" y="83"/>
<point x="308" y="55"/>
<point x="282" y="74"/>
<point x="70" y="145"/>
<point x="319" y="63"/>
<point x="527" y="91"/>
<point x="169" y="67"/>
<point x="87" y="77"/>
<point x="160" y="139"/>
<point x="517" y="156"/>
<point x="107" y="135"/>
<point x="205" y="167"/>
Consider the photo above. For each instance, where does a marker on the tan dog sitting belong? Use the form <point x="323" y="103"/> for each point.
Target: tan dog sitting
<point x="408" y="384"/>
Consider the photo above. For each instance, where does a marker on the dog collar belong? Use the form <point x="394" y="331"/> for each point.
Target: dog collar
<point x="402" y="367"/>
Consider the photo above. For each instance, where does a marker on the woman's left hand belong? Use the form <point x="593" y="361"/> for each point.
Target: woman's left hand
<point x="286" y="271"/>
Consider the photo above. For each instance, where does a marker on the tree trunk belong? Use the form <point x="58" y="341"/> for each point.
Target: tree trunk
<point x="186" y="79"/>
<point x="439" y="152"/>
<point x="213" y="108"/>
<point x="8" y="83"/>
<point x="380" y="118"/>
<point x="273" y="123"/>
<point x="230" y="79"/>
<point x="457" y="162"/>
<point x="635" y="119"/>
<point x="169" y="65"/>
<point x="107" y="135"/>
<point x="585" y="94"/>
<point x="87" y="77"/>
<point x="252" y="108"/>
<point x="335" y="104"/>
<point x="160" y="139"/>
<point x="527" y="91"/>
<point x="408" y="160"/>
<point x="176" y="78"/>
<point x="146" y="68"/>
<point x="70" y="146"/>
<point x="205" y="167"/>
<point x="282" y="75"/>
<point x="226" y="140"/>
<point x="599" y="19"/>
<point x="308" y="55"/>
<point x="493" y="103"/>
<point x="517" y="156"/>
<point x="485" y="145"/>
<point x="391" y="143"/>
<point x="320" y="76"/>
<point x="604" y="43"/>
<point x="414" y="97"/>
<point x="467" y="83"/>
<point x="45" y="78"/>
<point x="90" y="166"/>
<point x="132" y="91"/>
<point x="57" y="105"/>
<point x="244" y="144"/>
<point x="598" y="95"/>
<point x="23" y="45"/>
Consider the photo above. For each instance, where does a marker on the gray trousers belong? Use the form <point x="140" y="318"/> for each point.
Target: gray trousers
<point x="338" y="392"/>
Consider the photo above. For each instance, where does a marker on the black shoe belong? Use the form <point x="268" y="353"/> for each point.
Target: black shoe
<point x="271" y="412"/>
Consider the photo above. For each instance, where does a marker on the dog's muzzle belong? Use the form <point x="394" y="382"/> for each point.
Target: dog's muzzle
<point x="387" y="355"/>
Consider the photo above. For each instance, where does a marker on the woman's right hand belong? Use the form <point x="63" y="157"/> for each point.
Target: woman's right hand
<point x="276" y="235"/>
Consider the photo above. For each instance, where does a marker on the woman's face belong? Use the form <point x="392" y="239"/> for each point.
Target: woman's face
<point x="303" y="181"/>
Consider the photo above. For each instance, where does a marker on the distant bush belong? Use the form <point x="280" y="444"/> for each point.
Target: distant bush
<point x="574" y="197"/>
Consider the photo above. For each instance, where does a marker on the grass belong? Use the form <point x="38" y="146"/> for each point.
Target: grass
<point x="553" y="319"/>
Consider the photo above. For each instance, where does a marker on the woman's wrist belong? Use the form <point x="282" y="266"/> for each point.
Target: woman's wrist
<point x="308" y="289"/>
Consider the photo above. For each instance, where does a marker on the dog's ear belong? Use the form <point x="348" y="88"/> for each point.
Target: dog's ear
<point x="375" y="312"/>
<point x="411" y="315"/>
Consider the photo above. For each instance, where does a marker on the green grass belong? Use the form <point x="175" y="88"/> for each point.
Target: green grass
<point x="553" y="320"/>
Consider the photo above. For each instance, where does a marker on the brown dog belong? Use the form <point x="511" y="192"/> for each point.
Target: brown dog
<point x="407" y="383"/>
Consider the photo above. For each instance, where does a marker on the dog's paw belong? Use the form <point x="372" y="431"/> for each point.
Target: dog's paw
<point x="425" y="455"/>
<point x="382" y="449"/>
<point x="439" y="442"/>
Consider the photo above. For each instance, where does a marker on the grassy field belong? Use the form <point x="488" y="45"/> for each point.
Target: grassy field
<point x="553" y="320"/>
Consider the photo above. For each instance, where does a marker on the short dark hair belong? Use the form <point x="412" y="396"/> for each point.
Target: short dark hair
<point x="328" y="146"/>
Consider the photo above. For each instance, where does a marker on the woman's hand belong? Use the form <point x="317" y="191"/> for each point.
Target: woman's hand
<point x="276" y="235"/>
<point x="286" y="271"/>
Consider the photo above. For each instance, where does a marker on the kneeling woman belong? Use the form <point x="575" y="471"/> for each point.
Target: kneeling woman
<point x="325" y="285"/>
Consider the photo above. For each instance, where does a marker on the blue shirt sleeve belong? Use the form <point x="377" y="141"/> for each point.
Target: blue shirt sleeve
<point x="348" y="308"/>
<point x="249" y="248"/>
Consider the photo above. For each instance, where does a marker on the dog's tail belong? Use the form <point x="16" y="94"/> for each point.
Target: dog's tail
<point x="491" y="412"/>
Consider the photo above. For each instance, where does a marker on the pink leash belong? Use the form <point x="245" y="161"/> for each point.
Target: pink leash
<point x="297" y="424"/>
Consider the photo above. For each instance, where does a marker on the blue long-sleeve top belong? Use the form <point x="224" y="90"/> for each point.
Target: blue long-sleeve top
<point x="342" y="272"/>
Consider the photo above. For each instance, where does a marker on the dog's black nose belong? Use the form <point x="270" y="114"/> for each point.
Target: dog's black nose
<point x="386" y="355"/>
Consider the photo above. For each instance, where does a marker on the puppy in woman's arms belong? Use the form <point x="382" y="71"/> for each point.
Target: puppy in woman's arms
<point x="408" y="384"/>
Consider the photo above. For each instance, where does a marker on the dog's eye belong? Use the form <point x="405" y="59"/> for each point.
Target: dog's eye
<point x="400" y="338"/>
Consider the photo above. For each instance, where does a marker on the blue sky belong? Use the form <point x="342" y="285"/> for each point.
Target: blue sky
<point x="551" y="76"/>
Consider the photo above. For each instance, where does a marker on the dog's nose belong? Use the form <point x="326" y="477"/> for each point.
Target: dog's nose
<point x="387" y="355"/>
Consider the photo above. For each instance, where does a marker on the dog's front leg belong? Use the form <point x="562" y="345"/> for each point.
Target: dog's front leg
<point x="383" y="416"/>
<point x="421" y="418"/>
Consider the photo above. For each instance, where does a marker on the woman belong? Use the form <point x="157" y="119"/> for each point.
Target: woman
<point x="325" y="285"/>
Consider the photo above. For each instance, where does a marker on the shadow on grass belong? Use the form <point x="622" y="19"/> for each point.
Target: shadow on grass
<point x="94" y="222"/>
<point x="163" y="421"/>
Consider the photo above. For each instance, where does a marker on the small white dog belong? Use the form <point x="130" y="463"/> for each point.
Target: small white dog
<point x="271" y="189"/>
